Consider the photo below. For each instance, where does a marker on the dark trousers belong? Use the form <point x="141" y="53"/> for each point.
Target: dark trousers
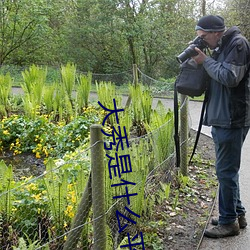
<point x="228" y="145"/>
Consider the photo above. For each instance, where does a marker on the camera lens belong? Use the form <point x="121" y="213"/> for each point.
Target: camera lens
<point x="187" y="53"/>
<point x="190" y="51"/>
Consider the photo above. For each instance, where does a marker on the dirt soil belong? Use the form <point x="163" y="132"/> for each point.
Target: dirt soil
<point x="25" y="164"/>
<point x="188" y="208"/>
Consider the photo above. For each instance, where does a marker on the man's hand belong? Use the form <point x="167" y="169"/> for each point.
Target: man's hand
<point x="200" y="58"/>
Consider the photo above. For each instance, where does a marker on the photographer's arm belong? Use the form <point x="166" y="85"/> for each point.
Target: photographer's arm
<point x="231" y="71"/>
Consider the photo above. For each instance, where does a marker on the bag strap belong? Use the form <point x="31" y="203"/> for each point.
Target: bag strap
<point x="199" y="127"/>
<point x="176" y="126"/>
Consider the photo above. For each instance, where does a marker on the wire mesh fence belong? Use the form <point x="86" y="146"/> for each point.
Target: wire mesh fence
<point x="158" y="87"/>
<point x="57" y="209"/>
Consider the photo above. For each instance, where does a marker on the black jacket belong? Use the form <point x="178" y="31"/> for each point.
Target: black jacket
<point x="229" y="90"/>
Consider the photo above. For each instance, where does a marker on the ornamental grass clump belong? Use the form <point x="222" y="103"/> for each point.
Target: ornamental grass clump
<point x="83" y="91"/>
<point x="68" y="75"/>
<point x="160" y="131"/>
<point x="33" y="85"/>
<point x="5" y="91"/>
<point x="141" y="106"/>
<point x="106" y="92"/>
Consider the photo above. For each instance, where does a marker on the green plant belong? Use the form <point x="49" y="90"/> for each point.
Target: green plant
<point x="146" y="101"/>
<point x="42" y="136"/>
<point x="161" y="132"/>
<point x="176" y="199"/>
<point x="7" y="232"/>
<point x="48" y="202"/>
<point x="23" y="246"/>
<point x="34" y="81"/>
<point x="153" y="241"/>
<point x="125" y="119"/>
<point x="28" y="244"/>
<point x="139" y="165"/>
<point x="69" y="180"/>
<point x="48" y="98"/>
<point x="58" y="102"/>
<point x="6" y="196"/>
<point x="141" y="103"/>
<point x="140" y="157"/>
<point x="83" y="91"/>
<point x="106" y="92"/>
<point x="14" y="71"/>
<point x="64" y="183"/>
<point x="56" y="184"/>
<point x="165" y="188"/>
<point x="30" y="207"/>
<point x="184" y="181"/>
<point x="23" y="134"/>
<point x="5" y="90"/>
<point x="68" y="74"/>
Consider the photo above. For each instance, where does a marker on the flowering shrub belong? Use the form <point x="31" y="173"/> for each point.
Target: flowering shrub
<point x="44" y="206"/>
<point x="43" y="137"/>
<point x="34" y="203"/>
<point x="30" y="205"/>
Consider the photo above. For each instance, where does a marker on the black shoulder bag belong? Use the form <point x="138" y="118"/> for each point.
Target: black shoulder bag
<point x="191" y="81"/>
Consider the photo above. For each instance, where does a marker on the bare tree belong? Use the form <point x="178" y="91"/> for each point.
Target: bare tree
<point x="20" y="22"/>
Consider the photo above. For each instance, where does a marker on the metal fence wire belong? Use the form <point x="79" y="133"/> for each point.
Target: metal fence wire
<point x="95" y="200"/>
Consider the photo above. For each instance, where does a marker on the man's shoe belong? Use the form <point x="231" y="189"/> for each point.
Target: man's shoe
<point x="221" y="231"/>
<point x="241" y="219"/>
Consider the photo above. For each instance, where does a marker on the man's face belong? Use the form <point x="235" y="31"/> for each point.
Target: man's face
<point x="211" y="38"/>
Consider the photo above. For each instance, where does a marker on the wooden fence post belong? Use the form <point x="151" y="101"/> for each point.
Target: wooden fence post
<point x="135" y="82"/>
<point x="184" y="135"/>
<point x="135" y="74"/>
<point x="98" y="187"/>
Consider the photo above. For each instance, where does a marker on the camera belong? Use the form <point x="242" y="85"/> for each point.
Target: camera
<point x="190" y="51"/>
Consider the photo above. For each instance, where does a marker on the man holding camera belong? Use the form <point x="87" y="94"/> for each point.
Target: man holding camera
<point x="228" y="112"/>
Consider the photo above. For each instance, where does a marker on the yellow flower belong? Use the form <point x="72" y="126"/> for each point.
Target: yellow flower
<point x="6" y="132"/>
<point x="73" y="199"/>
<point x="37" y="196"/>
<point x="17" y="152"/>
<point x="31" y="187"/>
<point x="45" y="151"/>
<point x="69" y="211"/>
<point x="38" y="156"/>
<point x="14" y="209"/>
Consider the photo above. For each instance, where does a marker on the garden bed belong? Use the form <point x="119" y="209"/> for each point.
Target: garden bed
<point x="25" y="164"/>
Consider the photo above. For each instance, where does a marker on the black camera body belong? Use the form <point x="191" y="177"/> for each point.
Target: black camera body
<point x="190" y="51"/>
